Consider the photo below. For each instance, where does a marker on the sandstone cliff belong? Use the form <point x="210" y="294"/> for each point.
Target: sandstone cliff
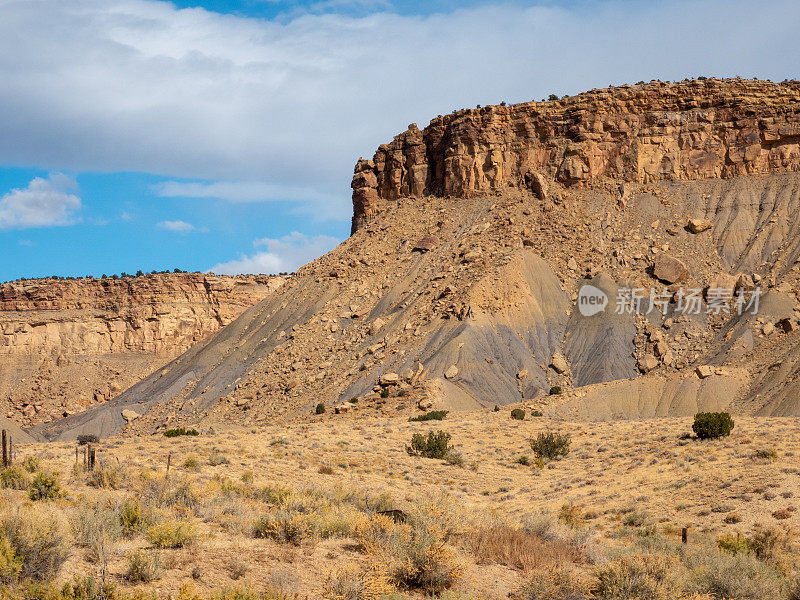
<point x="65" y="344"/>
<point x="641" y="133"/>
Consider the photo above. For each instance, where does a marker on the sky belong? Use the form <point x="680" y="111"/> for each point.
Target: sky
<point x="212" y="135"/>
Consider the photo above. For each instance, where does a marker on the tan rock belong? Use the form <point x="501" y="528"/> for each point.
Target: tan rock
<point x="451" y="372"/>
<point x="647" y="363"/>
<point x="699" y="225"/>
<point x="704" y="371"/>
<point x="130" y="415"/>
<point x="559" y="363"/>
<point x="389" y="379"/>
<point x="669" y="269"/>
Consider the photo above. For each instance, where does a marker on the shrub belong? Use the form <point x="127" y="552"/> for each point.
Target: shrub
<point x="524" y="460"/>
<point x="432" y="415"/>
<point x="571" y="515"/>
<point x="143" y="567"/>
<point x="191" y="463"/>
<point x="285" y="527"/>
<point x="179" y="431"/>
<point x="768" y="454"/>
<point x="216" y="459"/>
<point x="536" y="413"/>
<point x="733" y="544"/>
<point x="15" y="478"/>
<point x="130" y="517"/>
<point x="320" y="410"/>
<point x="435" y="445"/>
<point x="550" y="445"/>
<point x="105" y="476"/>
<point x="560" y="583"/>
<point x="171" y="534"/>
<point x="31" y="464"/>
<point x="651" y="576"/>
<point x="518" y="414"/>
<point x="741" y="577"/>
<point x="712" y="425"/>
<point x="84" y="439"/>
<point x="38" y="540"/>
<point x="555" y="390"/>
<point x="45" y="486"/>
<point x="10" y="563"/>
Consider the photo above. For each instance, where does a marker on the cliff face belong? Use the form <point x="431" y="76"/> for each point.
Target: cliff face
<point x="161" y="314"/>
<point x="641" y="133"/>
<point x="66" y="344"/>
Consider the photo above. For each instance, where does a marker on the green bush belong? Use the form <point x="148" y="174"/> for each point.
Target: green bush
<point x="179" y="431"/>
<point x="434" y="445"/>
<point x="45" y="486"/>
<point x="433" y="415"/>
<point x="320" y="410"/>
<point x="712" y="425"/>
<point x="84" y="439"/>
<point x="550" y="445"/>
<point x="555" y="390"/>
<point x="518" y="414"/>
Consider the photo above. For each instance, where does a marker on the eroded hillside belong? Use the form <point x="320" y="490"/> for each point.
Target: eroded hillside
<point x="471" y="239"/>
<point x="66" y="345"/>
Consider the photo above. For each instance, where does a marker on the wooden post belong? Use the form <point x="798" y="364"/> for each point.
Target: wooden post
<point x="685" y="535"/>
<point x="5" y="450"/>
<point x="169" y="461"/>
<point x="10" y="450"/>
<point x="76" y="455"/>
<point x="85" y="457"/>
<point x="91" y="458"/>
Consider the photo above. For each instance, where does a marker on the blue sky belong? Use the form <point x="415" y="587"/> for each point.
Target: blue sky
<point x="211" y="134"/>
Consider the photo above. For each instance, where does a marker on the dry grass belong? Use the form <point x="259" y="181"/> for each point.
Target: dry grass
<point x="519" y="549"/>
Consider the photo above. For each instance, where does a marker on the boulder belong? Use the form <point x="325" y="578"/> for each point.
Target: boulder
<point x="669" y="269"/>
<point x="704" y="371"/>
<point x="426" y="244"/>
<point x="559" y="363"/>
<point x="647" y="363"/>
<point x="699" y="225"/>
<point x="389" y="379"/>
<point x="451" y="372"/>
<point x="130" y="415"/>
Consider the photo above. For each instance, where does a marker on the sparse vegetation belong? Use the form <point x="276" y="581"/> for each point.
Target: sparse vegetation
<point x="518" y="414"/>
<point x="180" y="431"/>
<point x="551" y="445"/>
<point x="433" y="415"/>
<point x="45" y="486"/>
<point x="171" y="534"/>
<point x="434" y="445"/>
<point x="320" y="410"/>
<point x="712" y="425"/>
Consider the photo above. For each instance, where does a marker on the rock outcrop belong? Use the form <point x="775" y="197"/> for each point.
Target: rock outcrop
<point x="66" y="344"/>
<point x="642" y="133"/>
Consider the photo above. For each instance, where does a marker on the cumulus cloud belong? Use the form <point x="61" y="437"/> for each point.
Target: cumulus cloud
<point x="285" y="254"/>
<point x="290" y="103"/>
<point x="43" y="203"/>
<point x="178" y="226"/>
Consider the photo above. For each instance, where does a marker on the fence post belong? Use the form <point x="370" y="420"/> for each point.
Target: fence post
<point x="685" y="535"/>
<point x="169" y="462"/>
<point x="5" y="450"/>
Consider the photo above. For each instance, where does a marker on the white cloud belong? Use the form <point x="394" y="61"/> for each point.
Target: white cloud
<point x="238" y="191"/>
<point x="139" y="85"/>
<point x="44" y="203"/>
<point x="281" y="255"/>
<point x="178" y="226"/>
